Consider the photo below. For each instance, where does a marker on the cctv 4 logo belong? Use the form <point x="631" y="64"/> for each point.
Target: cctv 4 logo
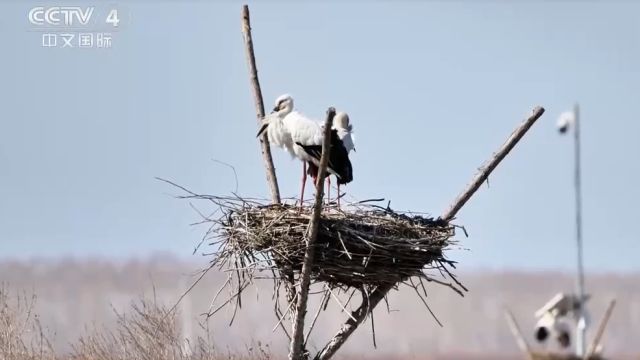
<point x="67" y="16"/>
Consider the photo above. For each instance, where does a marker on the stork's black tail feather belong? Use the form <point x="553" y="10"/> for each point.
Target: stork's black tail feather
<point x="312" y="169"/>
<point x="339" y="163"/>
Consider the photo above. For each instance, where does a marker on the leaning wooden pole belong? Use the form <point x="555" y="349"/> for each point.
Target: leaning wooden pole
<point x="485" y="170"/>
<point x="257" y="97"/>
<point x="591" y="352"/>
<point x="296" y="352"/>
<point x="360" y="314"/>
<point x="517" y="334"/>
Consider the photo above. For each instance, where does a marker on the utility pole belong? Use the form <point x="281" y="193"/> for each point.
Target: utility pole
<point x="567" y="121"/>
<point x="581" y="328"/>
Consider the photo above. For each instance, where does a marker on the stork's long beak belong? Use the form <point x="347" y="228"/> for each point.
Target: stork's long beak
<point x="262" y="129"/>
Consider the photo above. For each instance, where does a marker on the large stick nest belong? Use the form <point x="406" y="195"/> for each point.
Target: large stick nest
<point x="367" y="246"/>
<point x="363" y="248"/>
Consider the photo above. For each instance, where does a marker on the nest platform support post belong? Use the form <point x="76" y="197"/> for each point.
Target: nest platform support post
<point x="296" y="352"/>
<point x="257" y="97"/>
<point x="360" y="314"/>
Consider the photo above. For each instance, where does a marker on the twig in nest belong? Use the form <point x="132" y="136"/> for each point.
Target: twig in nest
<point x="235" y="174"/>
<point x="373" y="329"/>
<point x="315" y="317"/>
<point x="237" y="293"/>
<point x="284" y="315"/>
<point x="335" y="298"/>
<point x="424" y="301"/>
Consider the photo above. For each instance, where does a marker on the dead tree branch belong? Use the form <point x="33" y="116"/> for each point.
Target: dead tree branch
<point x="491" y="164"/>
<point x="360" y="314"/>
<point x="257" y="97"/>
<point x="296" y="350"/>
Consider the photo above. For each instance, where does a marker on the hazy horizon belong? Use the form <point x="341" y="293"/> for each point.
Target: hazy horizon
<point x="199" y="262"/>
<point x="76" y="297"/>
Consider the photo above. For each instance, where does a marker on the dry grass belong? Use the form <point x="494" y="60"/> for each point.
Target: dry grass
<point x="22" y="337"/>
<point x="148" y="332"/>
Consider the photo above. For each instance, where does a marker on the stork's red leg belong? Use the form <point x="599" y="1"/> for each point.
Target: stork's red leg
<point x="328" y="189"/>
<point x="304" y="181"/>
<point x="338" y="195"/>
<point x="315" y="184"/>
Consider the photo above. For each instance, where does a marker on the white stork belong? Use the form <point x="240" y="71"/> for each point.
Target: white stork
<point x="276" y="131"/>
<point x="345" y="133"/>
<point x="302" y="137"/>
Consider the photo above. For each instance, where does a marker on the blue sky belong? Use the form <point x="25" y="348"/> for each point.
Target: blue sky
<point x="433" y="88"/>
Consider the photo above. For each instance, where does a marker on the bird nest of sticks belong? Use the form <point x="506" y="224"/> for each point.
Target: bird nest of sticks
<point x="363" y="247"/>
<point x="368" y="246"/>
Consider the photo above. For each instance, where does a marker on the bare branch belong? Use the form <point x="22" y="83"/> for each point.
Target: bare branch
<point x="380" y="292"/>
<point x="257" y="97"/>
<point x="485" y="170"/>
<point x="296" y="351"/>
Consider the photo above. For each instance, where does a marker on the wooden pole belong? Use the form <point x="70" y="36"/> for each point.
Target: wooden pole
<point x="491" y="164"/>
<point x="603" y="325"/>
<point x="257" y="97"/>
<point x="581" y="329"/>
<point x="517" y="334"/>
<point x="360" y="314"/>
<point x="297" y="342"/>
